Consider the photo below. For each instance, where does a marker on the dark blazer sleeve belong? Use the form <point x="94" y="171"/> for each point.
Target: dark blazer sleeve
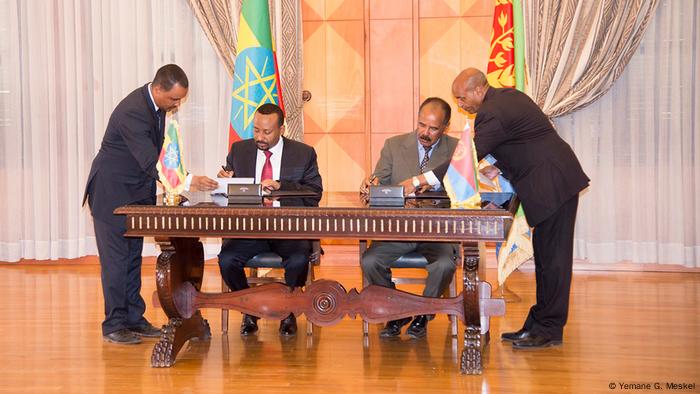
<point x="310" y="179"/>
<point x="136" y="130"/>
<point x="241" y="158"/>
<point x="441" y="170"/>
<point x="489" y="134"/>
<point x="230" y="162"/>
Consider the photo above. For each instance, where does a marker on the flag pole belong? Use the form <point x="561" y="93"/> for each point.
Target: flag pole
<point x="517" y="57"/>
<point x="507" y="294"/>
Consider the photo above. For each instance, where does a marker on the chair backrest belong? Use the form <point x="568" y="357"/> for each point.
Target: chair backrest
<point x="409" y="260"/>
<point x="273" y="260"/>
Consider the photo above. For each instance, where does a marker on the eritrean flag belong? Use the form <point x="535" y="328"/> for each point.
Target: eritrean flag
<point x="461" y="181"/>
<point x="255" y="76"/>
<point x="171" y="167"/>
<point x="500" y="70"/>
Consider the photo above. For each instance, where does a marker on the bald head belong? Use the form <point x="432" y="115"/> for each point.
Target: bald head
<point x="469" y="89"/>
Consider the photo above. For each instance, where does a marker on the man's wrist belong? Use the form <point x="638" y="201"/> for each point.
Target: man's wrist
<point x="431" y="179"/>
<point x="415" y="181"/>
<point x="188" y="182"/>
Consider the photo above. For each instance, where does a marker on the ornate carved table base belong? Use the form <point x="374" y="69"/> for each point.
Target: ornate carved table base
<point x="471" y="354"/>
<point x="175" y="334"/>
<point x="324" y="302"/>
<point x="180" y="264"/>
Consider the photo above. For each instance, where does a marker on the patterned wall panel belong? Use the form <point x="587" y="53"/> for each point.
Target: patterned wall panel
<point x="391" y="75"/>
<point x="362" y="62"/>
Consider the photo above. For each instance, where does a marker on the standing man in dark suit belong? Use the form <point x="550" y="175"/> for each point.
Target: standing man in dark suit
<point x="124" y="172"/>
<point x="277" y="163"/>
<point x="404" y="156"/>
<point x="547" y="177"/>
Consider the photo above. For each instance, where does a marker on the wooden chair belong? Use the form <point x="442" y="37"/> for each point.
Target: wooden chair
<point x="412" y="260"/>
<point x="270" y="260"/>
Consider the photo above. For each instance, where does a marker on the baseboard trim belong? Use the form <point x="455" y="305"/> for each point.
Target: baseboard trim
<point x="347" y="255"/>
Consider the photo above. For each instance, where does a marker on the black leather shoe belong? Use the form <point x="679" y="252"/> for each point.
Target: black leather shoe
<point x="122" y="337"/>
<point x="147" y="330"/>
<point x="249" y="325"/>
<point x="515" y="336"/>
<point x="418" y="327"/>
<point x="393" y="327"/>
<point x="536" y="342"/>
<point x="288" y="326"/>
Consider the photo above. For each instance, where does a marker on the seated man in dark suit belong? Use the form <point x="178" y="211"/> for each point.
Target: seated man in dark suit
<point x="277" y="163"/>
<point x="405" y="156"/>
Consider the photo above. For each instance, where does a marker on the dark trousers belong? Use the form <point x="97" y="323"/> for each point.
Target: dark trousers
<point x="553" y="243"/>
<point x="236" y="252"/>
<point x="120" y="263"/>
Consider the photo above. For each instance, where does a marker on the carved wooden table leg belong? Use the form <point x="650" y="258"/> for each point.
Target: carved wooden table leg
<point x="181" y="261"/>
<point x="471" y="354"/>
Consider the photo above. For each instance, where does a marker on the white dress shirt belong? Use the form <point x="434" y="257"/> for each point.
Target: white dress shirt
<point x="429" y="176"/>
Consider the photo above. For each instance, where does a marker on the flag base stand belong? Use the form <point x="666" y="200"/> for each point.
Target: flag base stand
<point x="507" y="294"/>
<point x="171" y="199"/>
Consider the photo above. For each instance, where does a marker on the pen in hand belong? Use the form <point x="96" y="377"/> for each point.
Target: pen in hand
<point x="225" y="172"/>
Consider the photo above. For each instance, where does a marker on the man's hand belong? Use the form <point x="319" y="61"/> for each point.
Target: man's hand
<point x="490" y="172"/>
<point x="224" y="174"/>
<point x="424" y="188"/>
<point x="203" y="183"/>
<point x="408" y="187"/>
<point x="366" y="183"/>
<point x="269" y="185"/>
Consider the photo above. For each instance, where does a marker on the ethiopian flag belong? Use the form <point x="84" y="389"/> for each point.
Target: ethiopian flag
<point x="171" y="167"/>
<point x="255" y="76"/>
<point x="506" y="69"/>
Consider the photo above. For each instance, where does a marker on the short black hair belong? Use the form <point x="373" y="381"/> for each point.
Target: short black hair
<point x="442" y="103"/>
<point x="269" y="108"/>
<point x="169" y="76"/>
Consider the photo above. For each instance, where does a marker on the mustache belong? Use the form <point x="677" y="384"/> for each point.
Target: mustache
<point x="424" y="138"/>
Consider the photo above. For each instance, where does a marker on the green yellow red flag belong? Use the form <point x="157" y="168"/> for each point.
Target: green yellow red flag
<point x="255" y="77"/>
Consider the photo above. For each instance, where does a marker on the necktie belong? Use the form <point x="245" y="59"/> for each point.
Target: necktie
<point x="267" y="167"/>
<point x="266" y="174"/>
<point x="426" y="158"/>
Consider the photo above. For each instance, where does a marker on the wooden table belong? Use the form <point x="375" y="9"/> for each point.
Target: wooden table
<point x="180" y="265"/>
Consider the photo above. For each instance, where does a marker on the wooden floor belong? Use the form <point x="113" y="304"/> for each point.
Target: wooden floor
<point x="623" y="327"/>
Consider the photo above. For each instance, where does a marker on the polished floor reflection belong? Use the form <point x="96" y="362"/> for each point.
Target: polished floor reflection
<point x="623" y="327"/>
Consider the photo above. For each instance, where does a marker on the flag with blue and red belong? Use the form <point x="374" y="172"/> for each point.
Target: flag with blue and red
<point x="461" y="181"/>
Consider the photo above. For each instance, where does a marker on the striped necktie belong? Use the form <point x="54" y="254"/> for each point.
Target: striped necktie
<point x="426" y="158"/>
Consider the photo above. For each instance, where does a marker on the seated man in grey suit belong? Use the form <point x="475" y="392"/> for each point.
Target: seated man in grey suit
<point x="277" y="163"/>
<point x="405" y="156"/>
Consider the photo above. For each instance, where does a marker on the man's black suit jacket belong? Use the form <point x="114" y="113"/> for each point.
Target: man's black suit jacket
<point x="298" y="168"/>
<point x="542" y="167"/>
<point x="124" y="170"/>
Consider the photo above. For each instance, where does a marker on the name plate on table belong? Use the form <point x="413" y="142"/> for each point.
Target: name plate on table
<point x="245" y="194"/>
<point x="386" y="196"/>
